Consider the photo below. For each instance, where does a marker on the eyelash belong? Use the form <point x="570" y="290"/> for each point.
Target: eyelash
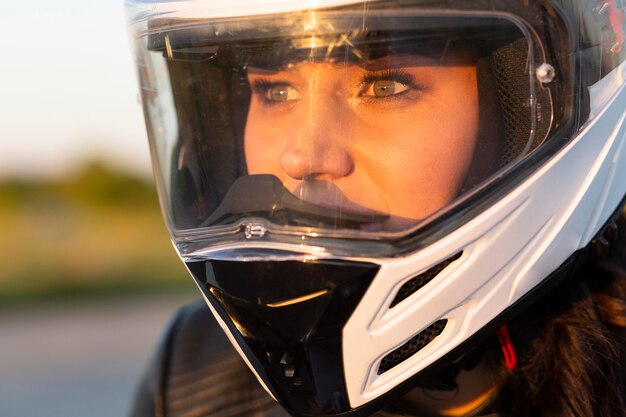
<point x="262" y="85"/>
<point x="395" y="75"/>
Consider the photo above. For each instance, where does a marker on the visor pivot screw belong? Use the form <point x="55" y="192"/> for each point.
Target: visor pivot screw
<point x="255" y="231"/>
<point x="545" y="73"/>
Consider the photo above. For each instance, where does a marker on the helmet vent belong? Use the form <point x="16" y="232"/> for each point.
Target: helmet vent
<point x="411" y="347"/>
<point x="422" y="279"/>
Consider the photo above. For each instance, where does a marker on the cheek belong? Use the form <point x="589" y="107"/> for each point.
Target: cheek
<point x="255" y="158"/>
<point x="426" y="154"/>
<point x="262" y="154"/>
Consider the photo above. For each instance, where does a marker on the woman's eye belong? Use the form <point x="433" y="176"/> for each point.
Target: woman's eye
<point x="279" y="93"/>
<point x="384" y="88"/>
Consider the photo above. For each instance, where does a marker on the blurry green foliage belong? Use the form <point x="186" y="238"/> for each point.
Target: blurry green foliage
<point x="96" y="186"/>
<point x="99" y="186"/>
<point x="97" y="232"/>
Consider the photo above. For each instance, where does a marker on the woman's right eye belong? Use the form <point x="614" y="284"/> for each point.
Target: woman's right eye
<point x="384" y="88"/>
<point x="279" y="93"/>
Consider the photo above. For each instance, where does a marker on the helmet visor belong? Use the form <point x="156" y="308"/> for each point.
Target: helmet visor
<point x="348" y="122"/>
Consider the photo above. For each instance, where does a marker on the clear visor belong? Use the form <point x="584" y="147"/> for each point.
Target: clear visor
<point x="335" y="123"/>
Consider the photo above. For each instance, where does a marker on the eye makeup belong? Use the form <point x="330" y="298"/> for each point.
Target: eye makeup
<point x="274" y="92"/>
<point x="392" y="75"/>
<point x="380" y="86"/>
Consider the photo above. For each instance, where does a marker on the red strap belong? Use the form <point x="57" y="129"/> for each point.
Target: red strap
<point x="617" y="18"/>
<point x="508" y="350"/>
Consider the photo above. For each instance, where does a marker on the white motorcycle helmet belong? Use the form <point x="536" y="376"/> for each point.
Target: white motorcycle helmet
<point x="364" y="190"/>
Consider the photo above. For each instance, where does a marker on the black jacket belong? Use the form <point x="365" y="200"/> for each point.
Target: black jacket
<point x="196" y="372"/>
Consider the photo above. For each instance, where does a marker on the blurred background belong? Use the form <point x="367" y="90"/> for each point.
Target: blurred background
<point x="88" y="278"/>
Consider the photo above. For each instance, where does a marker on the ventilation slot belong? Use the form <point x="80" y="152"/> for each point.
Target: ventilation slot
<point x="412" y="346"/>
<point x="422" y="279"/>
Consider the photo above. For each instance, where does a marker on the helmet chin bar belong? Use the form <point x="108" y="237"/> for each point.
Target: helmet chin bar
<point x="287" y="317"/>
<point x="294" y="345"/>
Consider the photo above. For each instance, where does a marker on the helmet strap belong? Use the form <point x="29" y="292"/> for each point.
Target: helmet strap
<point x="508" y="350"/>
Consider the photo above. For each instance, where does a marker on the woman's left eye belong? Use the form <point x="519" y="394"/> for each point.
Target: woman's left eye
<point x="384" y="88"/>
<point x="280" y="92"/>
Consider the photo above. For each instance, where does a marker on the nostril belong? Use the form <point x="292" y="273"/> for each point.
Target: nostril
<point x="308" y="164"/>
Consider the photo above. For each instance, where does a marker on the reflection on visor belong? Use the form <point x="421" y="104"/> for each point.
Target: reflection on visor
<point x="264" y="196"/>
<point x="265" y="45"/>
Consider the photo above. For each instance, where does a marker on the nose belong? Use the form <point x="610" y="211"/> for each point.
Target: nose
<point x="317" y="148"/>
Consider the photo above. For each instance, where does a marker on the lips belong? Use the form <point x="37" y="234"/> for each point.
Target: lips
<point x="329" y="195"/>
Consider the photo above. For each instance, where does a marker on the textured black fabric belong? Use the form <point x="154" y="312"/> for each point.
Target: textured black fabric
<point x="509" y="71"/>
<point x="412" y="346"/>
<point x="196" y="373"/>
<point x="414" y="284"/>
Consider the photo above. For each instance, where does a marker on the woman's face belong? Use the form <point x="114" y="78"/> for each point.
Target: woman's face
<point x="396" y="135"/>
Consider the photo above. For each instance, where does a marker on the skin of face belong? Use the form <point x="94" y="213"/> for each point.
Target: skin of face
<point x="395" y="135"/>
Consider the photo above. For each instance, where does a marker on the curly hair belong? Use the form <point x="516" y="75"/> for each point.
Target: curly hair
<point x="572" y="346"/>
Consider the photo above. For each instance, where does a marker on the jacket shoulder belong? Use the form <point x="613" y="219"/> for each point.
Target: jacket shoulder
<point x="197" y="372"/>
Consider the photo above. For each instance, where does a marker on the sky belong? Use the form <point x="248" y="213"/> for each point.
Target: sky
<point x="68" y="92"/>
